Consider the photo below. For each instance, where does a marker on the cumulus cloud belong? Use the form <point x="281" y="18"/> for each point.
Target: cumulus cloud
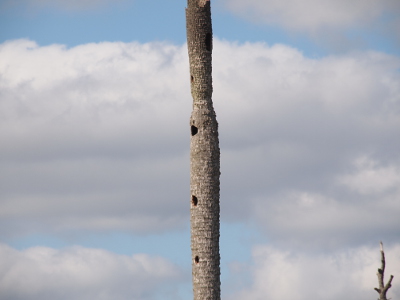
<point x="84" y="273"/>
<point x="96" y="138"/>
<point x="283" y="275"/>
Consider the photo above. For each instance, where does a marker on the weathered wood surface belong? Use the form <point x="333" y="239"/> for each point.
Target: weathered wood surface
<point x="204" y="156"/>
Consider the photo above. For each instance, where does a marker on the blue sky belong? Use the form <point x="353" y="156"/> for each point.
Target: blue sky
<point x="94" y="180"/>
<point x="126" y="21"/>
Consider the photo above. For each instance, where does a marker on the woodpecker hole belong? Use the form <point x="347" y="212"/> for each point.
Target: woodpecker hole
<point x="191" y="78"/>
<point x="208" y="41"/>
<point x="196" y="259"/>
<point x="194" y="200"/>
<point x="193" y="130"/>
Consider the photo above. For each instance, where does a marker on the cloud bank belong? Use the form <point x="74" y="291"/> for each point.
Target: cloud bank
<point x="96" y="138"/>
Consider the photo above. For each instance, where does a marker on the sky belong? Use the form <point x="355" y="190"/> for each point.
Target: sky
<point x="94" y="157"/>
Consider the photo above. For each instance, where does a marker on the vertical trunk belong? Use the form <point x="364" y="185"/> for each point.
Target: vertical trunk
<point x="204" y="156"/>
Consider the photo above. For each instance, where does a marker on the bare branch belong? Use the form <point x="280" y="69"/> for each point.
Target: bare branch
<point x="382" y="290"/>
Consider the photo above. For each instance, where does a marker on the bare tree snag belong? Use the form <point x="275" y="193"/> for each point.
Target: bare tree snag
<point x="204" y="156"/>
<point x="382" y="290"/>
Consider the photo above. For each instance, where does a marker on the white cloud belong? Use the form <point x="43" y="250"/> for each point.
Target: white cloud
<point x="96" y="138"/>
<point x="285" y="275"/>
<point x="84" y="273"/>
<point x="290" y="126"/>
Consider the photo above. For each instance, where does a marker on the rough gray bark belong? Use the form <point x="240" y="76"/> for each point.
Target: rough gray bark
<point x="382" y="290"/>
<point x="204" y="156"/>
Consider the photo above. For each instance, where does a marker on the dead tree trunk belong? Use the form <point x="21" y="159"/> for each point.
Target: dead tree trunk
<point x="382" y="290"/>
<point x="204" y="156"/>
